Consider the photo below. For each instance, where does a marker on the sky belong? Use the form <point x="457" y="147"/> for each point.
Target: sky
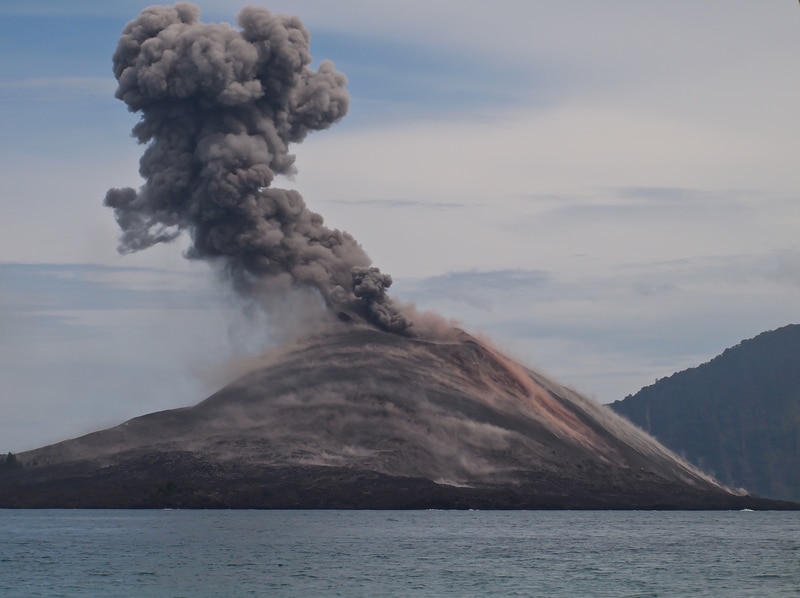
<point x="607" y="190"/>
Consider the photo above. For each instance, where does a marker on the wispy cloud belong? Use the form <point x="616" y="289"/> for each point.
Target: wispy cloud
<point x="402" y="203"/>
<point x="496" y="280"/>
<point x="74" y="8"/>
<point x="59" y="88"/>
<point x="478" y="289"/>
<point x="28" y="288"/>
<point x="662" y="194"/>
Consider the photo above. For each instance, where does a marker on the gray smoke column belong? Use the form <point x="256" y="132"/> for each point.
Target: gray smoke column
<point x="219" y="107"/>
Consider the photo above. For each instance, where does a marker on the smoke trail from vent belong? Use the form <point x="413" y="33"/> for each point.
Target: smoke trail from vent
<point x="219" y="107"/>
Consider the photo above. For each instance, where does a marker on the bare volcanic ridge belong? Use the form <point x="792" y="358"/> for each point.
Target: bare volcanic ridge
<point x="368" y="419"/>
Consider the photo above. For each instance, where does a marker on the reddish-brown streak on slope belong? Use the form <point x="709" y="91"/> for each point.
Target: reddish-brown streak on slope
<point x="520" y="389"/>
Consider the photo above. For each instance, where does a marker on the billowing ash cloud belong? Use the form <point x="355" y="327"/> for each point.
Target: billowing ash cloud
<point x="219" y="107"/>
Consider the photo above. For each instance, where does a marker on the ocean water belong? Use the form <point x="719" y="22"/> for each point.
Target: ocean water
<point x="398" y="553"/>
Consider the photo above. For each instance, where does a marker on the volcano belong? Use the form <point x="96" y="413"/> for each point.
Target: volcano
<point x="361" y="418"/>
<point x="369" y="414"/>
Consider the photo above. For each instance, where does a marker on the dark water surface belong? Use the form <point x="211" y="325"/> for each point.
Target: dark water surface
<point x="408" y="553"/>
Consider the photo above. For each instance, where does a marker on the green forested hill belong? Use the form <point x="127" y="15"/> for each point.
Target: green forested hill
<point x="737" y="417"/>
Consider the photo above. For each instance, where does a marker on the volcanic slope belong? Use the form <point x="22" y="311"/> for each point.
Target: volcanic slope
<point x="367" y="419"/>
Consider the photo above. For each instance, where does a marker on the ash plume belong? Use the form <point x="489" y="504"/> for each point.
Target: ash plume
<point x="219" y="107"/>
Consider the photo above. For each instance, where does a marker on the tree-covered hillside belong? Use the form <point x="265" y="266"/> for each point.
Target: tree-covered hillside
<point x="737" y="417"/>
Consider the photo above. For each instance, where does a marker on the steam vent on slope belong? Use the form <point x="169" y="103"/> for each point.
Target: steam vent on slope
<point x="371" y="410"/>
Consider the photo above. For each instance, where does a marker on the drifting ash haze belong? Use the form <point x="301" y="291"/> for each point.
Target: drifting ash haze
<point x="364" y="414"/>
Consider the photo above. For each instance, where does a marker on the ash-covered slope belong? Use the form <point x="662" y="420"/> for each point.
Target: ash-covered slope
<point x="367" y="419"/>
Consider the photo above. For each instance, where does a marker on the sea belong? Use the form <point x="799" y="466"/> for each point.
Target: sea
<point x="177" y="553"/>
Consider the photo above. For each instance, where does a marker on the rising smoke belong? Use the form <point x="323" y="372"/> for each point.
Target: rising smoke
<point x="219" y="107"/>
